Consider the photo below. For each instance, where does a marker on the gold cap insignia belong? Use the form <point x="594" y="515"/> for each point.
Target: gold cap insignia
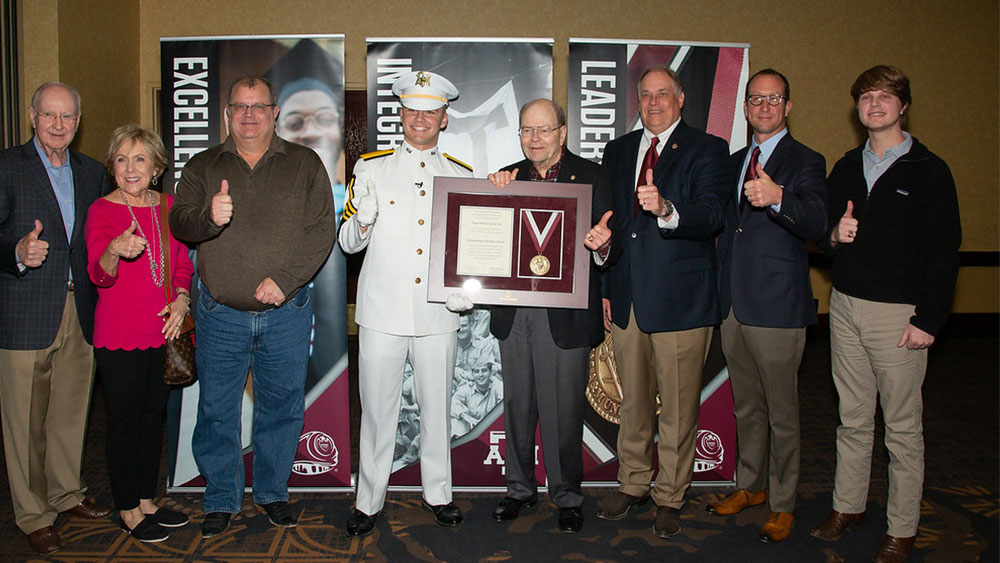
<point x="423" y="79"/>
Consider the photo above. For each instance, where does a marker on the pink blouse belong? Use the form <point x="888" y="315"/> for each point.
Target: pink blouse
<point x="127" y="304"/>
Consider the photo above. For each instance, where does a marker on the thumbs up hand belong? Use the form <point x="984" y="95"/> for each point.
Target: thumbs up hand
<point x="599" y="234"/>
<point x="31" y="251"/>
<point x="127" y="244"/>
<point x="649" y="197"/>
<point x="762" y="191"/>
<point x="847" y="227"/>
<point x="367" y="205"/>
<point x="222" y="206"/>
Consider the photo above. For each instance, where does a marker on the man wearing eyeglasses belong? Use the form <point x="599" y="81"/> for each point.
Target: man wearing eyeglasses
<point x="779" y="203"/>
<point x="669" y="184"/>
<point x="47" y="316"/>
<point x="261" y="212"/>
<point x="545" y="353"/>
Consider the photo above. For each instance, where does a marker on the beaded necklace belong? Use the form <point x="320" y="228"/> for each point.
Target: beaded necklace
<point x="157" y="276"/>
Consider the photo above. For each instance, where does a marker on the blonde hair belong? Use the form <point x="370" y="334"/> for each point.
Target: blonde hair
<point x="147" y="137"/>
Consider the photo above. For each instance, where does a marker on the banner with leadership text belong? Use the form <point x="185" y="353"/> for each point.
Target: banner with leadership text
<point x="307" y="73"/>
<point x="603" y="104"/>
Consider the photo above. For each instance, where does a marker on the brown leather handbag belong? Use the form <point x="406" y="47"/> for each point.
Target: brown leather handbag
<point x="179" y="366"/>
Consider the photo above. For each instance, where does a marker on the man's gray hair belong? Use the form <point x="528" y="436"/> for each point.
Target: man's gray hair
<point x="47" y="85"/>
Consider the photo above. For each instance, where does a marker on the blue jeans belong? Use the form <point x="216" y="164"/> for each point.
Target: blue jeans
<point x="274" y="346"/>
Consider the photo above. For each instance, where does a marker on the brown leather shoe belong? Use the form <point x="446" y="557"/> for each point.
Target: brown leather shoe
<point x="91" y="510"/>
<point x="835" y="524"/>
<point x="893" y="549"/>
<point x="667" y="523"/>
<point x="617" y="505"/>
<point x="737" y="502"/>
<point x="45" y="541"/>
<point x="777" y="527"/>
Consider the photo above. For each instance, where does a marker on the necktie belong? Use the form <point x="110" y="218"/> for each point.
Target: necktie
<point x="751" y="174"/>
<point x="648" y="162"/>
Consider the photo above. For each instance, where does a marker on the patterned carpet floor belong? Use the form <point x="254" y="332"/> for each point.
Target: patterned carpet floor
<point x="959" y="514"/>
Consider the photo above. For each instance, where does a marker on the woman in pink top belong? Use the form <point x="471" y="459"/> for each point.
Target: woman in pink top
<point x="132" y="322"/>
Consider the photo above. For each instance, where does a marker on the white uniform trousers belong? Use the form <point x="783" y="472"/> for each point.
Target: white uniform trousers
<point x="381" y="358"/>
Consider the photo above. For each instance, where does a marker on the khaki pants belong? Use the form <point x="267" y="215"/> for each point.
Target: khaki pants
<point x="44" y="399"/>
<point x="671" y="364"/>
<point x="868" y="366"/>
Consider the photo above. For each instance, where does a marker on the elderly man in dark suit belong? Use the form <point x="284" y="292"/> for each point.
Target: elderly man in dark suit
<point x="669" y="186"/>
<point x="47" y="317"/>
<point x="766" y="296"/>
<point x="546" y="352"/>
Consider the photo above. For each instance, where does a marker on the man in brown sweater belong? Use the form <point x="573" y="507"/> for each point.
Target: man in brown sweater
<point x="261" y="213"/>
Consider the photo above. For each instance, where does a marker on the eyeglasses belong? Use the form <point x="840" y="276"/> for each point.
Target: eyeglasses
<point x="772" y="100"/>
<point x="296" y="121"/>
<point x="52" y="116"/>
<point x="249" y="108"/>
<point x="543" y="131"/>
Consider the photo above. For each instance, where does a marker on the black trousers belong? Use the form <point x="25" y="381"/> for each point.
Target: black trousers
<point x="137" y="397"/>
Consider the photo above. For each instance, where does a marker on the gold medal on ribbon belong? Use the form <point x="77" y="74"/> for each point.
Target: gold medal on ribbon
<point x="540" y="265"/>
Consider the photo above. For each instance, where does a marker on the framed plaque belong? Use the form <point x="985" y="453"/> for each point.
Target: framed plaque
<point x="518" y="245"/>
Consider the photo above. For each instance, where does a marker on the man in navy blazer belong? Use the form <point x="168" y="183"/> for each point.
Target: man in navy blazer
<point x="546" y="352"/>
<point x="47" y="317"/>
<point x="779" y="203"/>
<point x="660" y="294"/>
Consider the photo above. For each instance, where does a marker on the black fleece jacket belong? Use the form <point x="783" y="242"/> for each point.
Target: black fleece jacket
<point x="909" y="232"/>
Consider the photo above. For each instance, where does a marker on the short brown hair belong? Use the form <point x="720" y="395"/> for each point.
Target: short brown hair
<point x="252" y="81"/>
<point x="147" y="137"/>
<point x="883" y="77"/>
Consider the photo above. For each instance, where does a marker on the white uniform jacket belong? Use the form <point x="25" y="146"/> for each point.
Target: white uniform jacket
<point x="392" y="287"/>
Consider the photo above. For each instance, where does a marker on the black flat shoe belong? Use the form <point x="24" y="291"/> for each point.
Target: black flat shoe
<point x="168" y="518"/>
<point x="147" y="531"/>
<point x="280" y="514"/>
<point x="445" y="514"/>
<point x="570" y="519"/>
<point x="215" y="523"/>
<point x="361" y="524"/>
<point x="510" y="508"/>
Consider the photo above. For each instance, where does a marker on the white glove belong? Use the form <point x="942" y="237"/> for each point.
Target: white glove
<point x="367" y="205"/>
<point x="458" y="302"/>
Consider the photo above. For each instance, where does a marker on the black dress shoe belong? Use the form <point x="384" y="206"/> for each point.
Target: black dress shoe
<point x="360" y="524"/>
<point x="570" y="519"/>
<point x="279" y="514"/>
<point x="445" y="514"/>
<point x="215" y="523"/>
<point x="510" y="508"/>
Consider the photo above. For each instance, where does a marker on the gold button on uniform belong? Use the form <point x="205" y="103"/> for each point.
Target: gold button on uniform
<point x="417" y="280"/>
<point x="422" y="193"/>
<point x="422" y="165"/>
<point x="419" y="252"/>
<point x="392" y="202"/>
<point x="420" y="221"/>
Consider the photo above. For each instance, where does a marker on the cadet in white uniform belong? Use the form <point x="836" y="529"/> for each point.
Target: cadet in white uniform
<point x="389" y="213"/>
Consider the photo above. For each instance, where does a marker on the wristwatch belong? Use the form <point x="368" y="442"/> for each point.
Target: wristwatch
<point x="668" y="208"/>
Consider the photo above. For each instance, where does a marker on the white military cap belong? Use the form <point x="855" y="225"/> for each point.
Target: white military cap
<point x="423" y="90"/>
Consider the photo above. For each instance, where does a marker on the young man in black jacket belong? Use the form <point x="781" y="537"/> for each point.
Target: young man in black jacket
<point x="894" y="243"/>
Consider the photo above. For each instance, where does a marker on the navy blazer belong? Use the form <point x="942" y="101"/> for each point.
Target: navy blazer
<point x="571" y="328"/>
<point x="668" y="275"/>
<point x="33" y="300"/>
<point x="764" y="262"/>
